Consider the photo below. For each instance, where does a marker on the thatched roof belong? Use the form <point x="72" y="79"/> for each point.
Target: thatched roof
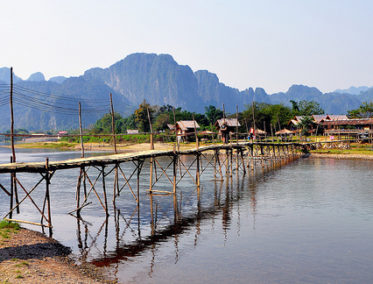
<point x="171" y="126"/>
<point x="187" y="124"/>
<point x="284" y="132"/>
<point x="230" y="122"/>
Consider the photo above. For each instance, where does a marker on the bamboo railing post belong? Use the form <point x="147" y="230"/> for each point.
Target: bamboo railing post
<point x="12" y="115"/>
<point x="81" y="130"/>
<point x="151" y="130"/>
<point x="113" y="123"/>
<point x="195" y="132"/>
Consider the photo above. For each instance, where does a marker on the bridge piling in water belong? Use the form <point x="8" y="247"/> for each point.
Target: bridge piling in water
<point x="249" y="155"/>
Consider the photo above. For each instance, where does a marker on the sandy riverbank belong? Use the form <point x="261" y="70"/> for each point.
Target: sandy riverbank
<point x="342" y="156"/>
<point x="30" y="257"/>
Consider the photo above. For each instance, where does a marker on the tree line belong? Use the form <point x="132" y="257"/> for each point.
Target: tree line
<point x="266" y="117"/>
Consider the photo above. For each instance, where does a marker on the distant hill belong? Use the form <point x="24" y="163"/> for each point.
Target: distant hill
<point x="160" y="80"/>
<point x="352" y="90"/>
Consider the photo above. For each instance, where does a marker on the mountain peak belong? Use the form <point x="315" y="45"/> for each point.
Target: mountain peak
<point x="36" y="77"/>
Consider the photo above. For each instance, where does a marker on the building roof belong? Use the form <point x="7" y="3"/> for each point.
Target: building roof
<point x="230" y="122"/>
<point x="132" y="131"/>
<point x="187" y="124"/>
<point x="360" y="121"/>
<point x="171" y="126"/>
<point x="284" y="132"/>
<point x="260" y="132"/>
<point x="337" y="117"/>
<point x="319" y="117"/>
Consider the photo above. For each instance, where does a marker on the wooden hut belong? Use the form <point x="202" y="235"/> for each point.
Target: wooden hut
<point x="226" y="127"/>
<point x="185" y="129"/>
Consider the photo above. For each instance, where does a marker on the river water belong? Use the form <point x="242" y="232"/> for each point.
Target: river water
<point x="310" y="221"/>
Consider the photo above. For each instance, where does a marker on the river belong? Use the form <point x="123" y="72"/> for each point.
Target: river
<point x="308" y="222"/>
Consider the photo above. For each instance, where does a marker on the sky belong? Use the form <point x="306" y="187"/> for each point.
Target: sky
<point x="271" y="44"/>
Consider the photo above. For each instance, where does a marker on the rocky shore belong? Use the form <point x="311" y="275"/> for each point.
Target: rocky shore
<point x="30" y="257"/>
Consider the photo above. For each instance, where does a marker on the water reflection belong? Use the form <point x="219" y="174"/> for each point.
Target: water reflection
<point x="308" y="222"/>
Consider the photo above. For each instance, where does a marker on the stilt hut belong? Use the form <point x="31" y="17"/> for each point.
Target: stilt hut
<point x="226" y="127"/>
<point x="185" y="129"/>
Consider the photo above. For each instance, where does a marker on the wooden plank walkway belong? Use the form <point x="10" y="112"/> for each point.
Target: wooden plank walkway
<point x="119" y="158"/>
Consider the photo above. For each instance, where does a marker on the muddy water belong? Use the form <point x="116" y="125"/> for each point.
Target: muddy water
<point x="308" y="222"/>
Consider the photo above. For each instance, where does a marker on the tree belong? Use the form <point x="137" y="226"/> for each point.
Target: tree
<point x="213" y="114"/>
<point x="305" y="125"/>
<point x="161" y="121"/>
<point x="364" y="111"/>
<point x="309" y="108"/>
<point x="141" y="116"/>
<point x="104" y="124"/>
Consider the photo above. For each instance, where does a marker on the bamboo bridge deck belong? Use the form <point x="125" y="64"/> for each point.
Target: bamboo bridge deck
<point x="126" y="157"/>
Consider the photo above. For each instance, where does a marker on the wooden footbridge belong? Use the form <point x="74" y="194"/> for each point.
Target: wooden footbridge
<point x="225" y="159"/>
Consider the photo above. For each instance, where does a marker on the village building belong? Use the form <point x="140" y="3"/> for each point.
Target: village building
<point x="132" y="131"/>
<point x="185" y="129"/>
<point x="226" y="127"/>
<point x="352" y="127"/>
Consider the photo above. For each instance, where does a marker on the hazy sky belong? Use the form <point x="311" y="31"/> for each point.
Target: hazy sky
<point x="271" y="44"/>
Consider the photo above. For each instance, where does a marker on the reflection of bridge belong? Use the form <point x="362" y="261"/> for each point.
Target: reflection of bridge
<point x="224" y="159"/>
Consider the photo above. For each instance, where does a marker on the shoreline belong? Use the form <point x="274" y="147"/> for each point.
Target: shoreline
<point x="342" y="156"/>
<point x="27" y="256"/>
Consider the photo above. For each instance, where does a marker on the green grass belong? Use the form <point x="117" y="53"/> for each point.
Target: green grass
<point x="9" y="225"/>
<point x="6" y="228"/>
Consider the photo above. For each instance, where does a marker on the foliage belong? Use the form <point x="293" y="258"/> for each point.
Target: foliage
<point x="267" y="116"/>
<point x="364" y="111"/>
<point x="213" y="114"/>
<point x="305" y="125"/>
<point x="306" y="108"/>
<point x="141" y="116"/>
<point x="104" y="125"/>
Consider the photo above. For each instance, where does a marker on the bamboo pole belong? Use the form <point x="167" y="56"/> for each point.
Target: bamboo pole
<point x="113" y="123"/>
<point x="151" y="130"/>
<point x="12" y="115"/>
<point x="104" y="190"/>
<point x="47" y="183"/>
<point x="81" y="129"/>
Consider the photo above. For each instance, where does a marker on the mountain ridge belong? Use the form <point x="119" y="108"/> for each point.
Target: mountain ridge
<point x="160" y="80"/>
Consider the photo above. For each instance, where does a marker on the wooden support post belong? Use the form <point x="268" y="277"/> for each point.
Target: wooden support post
<point x="11" y="193"/>
<point x="81" y="130"/>
<point x="47" y="195"/>
<point x="78" y="193"/>
<point x="104" y="190"/>
<point x="151" y="162"/>
<point x="243" y="161"/>
<point x="116" y="185"/>
<point x="231" y="162"/>
<point x="113" y="123"/>
<point x="237" y="160"/>
<point x="198" y="171"/>
<point x="215" y="154"/>
<point x="252" y="158"/>
<point x="226" y="162"/>
<point x="139" y="165"/>
<point x="175" y="158"/>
